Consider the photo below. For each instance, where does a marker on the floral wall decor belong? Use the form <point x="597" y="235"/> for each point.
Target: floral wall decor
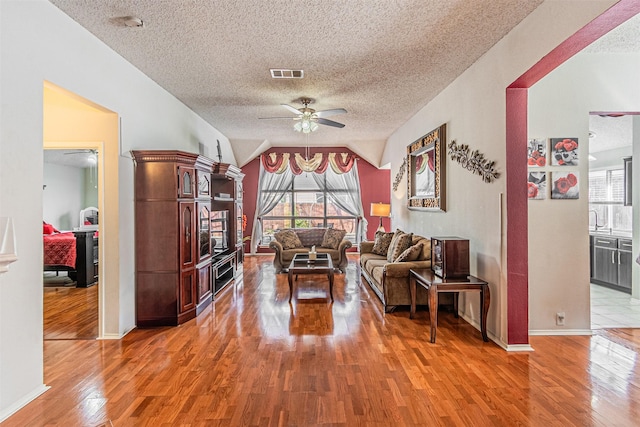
<point x="400" y="174"/>
<point x="565" y="185"/>
<point x="537" y="152"/>
<point x="564" y="151"/>
<point x="474" y="161"/>
<point x="537" y="185"/>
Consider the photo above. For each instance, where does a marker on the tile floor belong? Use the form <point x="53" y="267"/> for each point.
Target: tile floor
<point x="613" y="309"/>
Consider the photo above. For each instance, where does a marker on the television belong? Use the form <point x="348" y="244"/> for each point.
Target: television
<point x="219" y="231"/>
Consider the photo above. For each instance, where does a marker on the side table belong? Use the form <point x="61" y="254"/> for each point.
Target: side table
<point x="434" y="285"/>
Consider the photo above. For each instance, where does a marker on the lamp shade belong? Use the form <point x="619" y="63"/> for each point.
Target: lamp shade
<point x="380" y="209"/>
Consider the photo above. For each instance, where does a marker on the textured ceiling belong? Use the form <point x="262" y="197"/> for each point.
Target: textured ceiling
<point x="610" y="133"/>
<point x="380" y="60"/>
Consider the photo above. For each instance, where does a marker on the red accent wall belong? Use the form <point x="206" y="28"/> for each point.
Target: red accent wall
<point x="375" y="185"/>
<point x="516" y="149"/>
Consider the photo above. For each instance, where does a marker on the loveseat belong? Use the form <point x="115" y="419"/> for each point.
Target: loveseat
<point x="290" y="241"/>
<point x="388" y="276"/>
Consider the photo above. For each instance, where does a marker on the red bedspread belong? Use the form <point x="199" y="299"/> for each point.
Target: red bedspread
<point x="60" y="249"/>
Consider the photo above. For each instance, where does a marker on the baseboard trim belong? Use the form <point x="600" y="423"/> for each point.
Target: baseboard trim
<point x="115" y="336"/>
<point x="491" y="336"/>
<point x="519" y="347"/>
<point x="12" y="409"/>
<point x="544" y="332"/>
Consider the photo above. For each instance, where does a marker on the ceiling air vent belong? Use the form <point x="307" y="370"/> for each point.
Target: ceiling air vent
<point x="286" y="74"/>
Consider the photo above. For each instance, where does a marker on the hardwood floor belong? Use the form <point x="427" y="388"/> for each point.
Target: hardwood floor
<point x="70" y="313"/>
<point x="252" y="359"/>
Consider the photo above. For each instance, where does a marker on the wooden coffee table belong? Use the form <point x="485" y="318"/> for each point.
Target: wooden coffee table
<point x="300" y="264"/>
<point x="434" y="285"/>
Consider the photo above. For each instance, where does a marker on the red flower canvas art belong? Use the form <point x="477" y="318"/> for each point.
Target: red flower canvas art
<point x="565" y="185"/>
<point x="564" y="151"/>
<point x="537" y="153"/>
<point x="537" y="185"/>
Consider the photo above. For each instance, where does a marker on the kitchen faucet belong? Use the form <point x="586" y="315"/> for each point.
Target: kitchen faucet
<point x="598" y="226"/>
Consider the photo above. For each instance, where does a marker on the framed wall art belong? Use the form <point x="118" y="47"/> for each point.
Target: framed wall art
<point x="537" y="185"/>
<point x="565" y="185"/>
<point x="426" y="177"/>
<point x="537" y="152"/>
<point x="564" y="152"/>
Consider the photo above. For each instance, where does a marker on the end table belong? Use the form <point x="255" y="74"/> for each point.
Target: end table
<point x="434" y="285"/>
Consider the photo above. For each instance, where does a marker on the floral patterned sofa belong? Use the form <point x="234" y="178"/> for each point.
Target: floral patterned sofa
<point x="290" y="241"/>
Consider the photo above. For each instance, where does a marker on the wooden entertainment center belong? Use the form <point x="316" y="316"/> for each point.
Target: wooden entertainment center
<point x="178" y="270"/>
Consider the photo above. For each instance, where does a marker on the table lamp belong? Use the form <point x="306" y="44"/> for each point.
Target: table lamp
<point x="380" y="210"/>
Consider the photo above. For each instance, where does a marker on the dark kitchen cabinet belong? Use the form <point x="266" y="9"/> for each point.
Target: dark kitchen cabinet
<point x="611" y="262"/>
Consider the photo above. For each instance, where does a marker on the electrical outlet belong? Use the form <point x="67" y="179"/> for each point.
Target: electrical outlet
<point x="560" y="318"/>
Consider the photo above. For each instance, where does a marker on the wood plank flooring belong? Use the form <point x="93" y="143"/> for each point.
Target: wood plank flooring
<point x="70" y="313"/>
<point x="252" y="359"/>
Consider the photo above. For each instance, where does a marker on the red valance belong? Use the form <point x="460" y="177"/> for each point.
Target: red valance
<point x="278" y="162"/>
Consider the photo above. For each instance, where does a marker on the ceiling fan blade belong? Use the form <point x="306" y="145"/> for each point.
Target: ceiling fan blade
<point x="329" y="123"/>
<point x="270" y="118"/>
<point x="290" y="108"/>
<point x="332" y="112"/>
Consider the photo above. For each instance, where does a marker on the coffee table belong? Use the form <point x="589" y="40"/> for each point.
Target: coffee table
<point x="301" y="264"/>
<point x="434" y="285"/>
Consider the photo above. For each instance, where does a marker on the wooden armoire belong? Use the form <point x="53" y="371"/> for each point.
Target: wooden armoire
<point x="172" y="236"/>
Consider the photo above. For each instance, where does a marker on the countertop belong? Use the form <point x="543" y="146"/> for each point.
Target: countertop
<point x="614" y="233"/>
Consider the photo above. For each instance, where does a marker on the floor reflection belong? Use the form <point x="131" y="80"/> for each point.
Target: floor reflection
<point x="311" y="312"/>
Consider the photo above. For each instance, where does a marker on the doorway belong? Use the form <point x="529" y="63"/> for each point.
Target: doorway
<point x="611" y="221"/>
<point x="71" y="243"/>
<point x="71" y="122"/>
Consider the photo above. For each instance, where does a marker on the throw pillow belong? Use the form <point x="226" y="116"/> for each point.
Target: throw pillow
<point x="381" y="243"/>
<point x="410" y="254"/>
<point x="399" y="244"/>
<point x="288" y="239"/>
<point x="397" y="233"/>
<point x="332" y="238"/>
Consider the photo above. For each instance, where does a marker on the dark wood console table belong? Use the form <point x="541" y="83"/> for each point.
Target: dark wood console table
<point x="434" y="285"/>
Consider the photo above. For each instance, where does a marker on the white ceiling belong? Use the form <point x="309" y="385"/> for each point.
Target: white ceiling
<point x="610" y="133"/>
<point x="78" y="158"/>
<point x="380" y="60"/>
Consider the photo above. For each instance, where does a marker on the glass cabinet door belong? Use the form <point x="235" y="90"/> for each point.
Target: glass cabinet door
<point x="187" y="231"/>
<point x="204" y="230"/>
<point x="185" y="181"/>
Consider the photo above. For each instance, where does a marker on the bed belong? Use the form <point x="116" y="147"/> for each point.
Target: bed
<point x="59" y="251"/>
<point x="75" y="252"/>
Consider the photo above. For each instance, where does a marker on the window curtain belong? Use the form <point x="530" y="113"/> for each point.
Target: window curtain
<point x="352" y="204"/>
<point x="276" y="184"/>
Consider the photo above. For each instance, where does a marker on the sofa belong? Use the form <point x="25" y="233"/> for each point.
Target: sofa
<point x="390" y="279"/>
<point x="326" y="240"/>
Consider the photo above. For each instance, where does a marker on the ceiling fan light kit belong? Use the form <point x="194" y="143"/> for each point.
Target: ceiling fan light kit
<point x="305" y="125"/>
<point x="307" y="119"/>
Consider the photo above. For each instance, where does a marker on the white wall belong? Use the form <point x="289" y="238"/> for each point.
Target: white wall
<point x="62" y="198"/>
<point x="474" y="107"/>
<point x="559" y="105"/>
<point x="40" y="43"/>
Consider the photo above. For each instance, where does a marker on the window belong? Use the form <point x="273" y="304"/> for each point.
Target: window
<point x="606" y="201"/>
<point x="309" y="204"/>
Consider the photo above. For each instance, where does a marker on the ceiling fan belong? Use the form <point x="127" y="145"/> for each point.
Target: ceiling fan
<point x="92" y="155"/>
<point x="307" y="119"/>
